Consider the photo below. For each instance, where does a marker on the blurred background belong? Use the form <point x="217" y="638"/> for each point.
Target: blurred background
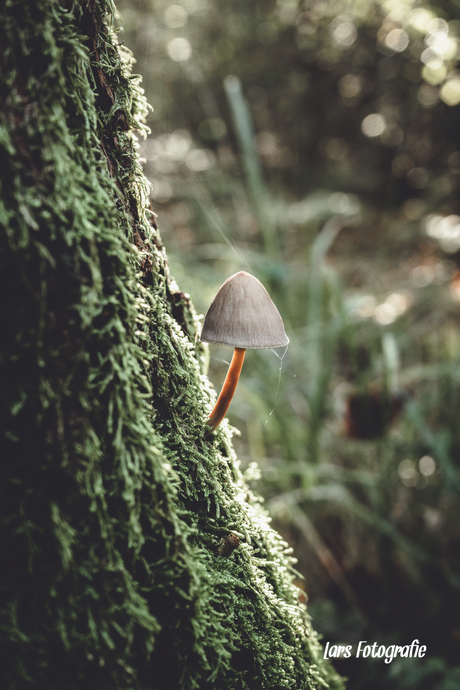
<point x="317" y="145"/>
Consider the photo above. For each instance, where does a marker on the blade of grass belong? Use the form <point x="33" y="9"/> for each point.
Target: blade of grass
<point x="255" y="181"/>
<point x="309" y="532"/>
<point x="321" y="350"/>
<point x="336" y="493"/>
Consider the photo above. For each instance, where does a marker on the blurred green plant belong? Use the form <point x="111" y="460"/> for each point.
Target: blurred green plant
<point x="329" y="164"/>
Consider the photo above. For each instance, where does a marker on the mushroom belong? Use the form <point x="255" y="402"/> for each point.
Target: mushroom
<point x="241" y="315"/>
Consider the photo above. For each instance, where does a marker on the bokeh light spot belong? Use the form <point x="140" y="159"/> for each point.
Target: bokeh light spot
<point x="418" y="177"/>
<point x="438" y="24"/>
<point x="199" y="160"/>
<point x="420" y="19"/>
<point x="408" y="473"/>
<point x="178" y="143"/>
<point x="442" y="44"/>
<point x="430" y="58"/>
<point x="363" y="308"/>
<point x="446" y="229"/>
<point x="434" y="74"/>
<point x="397" y="40"/>
<point x="450" y="91"/>
<point x="343" y="32"/>
<point x="428" y="95"/>
<point x="345" y="204"/>
<point x="385" y="314"/>
<point x="161" y="191"/>
<point x="427" y="466"/>
<point x="394" y="305"/>
<point x="373" y="125"/>
<point x="175" y="16"/>
<point x="179" y="49"/>
<point x="350" y="86"/>
<point x="422" y="275"/>
<point x="287" y="11"/>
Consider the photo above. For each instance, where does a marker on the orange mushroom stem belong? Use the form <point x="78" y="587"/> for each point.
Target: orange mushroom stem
<point x="228" y="389"/>
<point x="243" y="316"/>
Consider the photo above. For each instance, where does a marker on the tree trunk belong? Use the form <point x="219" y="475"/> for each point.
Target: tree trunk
<point x="117" y="568"/>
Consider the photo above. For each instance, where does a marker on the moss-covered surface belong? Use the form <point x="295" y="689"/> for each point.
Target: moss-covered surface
<point x="116" y="568"/>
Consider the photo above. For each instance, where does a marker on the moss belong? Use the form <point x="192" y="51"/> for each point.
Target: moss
<point x="113" y="502"/>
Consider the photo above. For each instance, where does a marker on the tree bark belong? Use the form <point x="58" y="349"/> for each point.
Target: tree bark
<point x="134" y="554"/>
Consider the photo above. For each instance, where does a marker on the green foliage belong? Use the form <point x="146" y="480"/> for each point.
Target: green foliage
<point x="349" y="111"/>
<point x="114" y="505"/>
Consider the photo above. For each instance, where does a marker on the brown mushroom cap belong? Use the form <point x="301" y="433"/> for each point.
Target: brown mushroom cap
<point x="242" y="314"/>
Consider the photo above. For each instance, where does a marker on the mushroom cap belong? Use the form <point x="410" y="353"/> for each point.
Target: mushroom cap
<point x="242" y="314"/>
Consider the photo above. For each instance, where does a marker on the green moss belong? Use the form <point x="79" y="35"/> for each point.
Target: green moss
<point x="113" y="502"/>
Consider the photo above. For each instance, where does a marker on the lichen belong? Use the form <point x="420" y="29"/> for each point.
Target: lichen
<point x="113" y="502"/>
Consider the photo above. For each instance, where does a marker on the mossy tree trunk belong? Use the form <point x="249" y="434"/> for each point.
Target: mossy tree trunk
<point x="117" y="571"/>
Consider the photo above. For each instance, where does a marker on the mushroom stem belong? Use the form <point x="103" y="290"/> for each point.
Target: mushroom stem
<point x="228" y="389"/>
